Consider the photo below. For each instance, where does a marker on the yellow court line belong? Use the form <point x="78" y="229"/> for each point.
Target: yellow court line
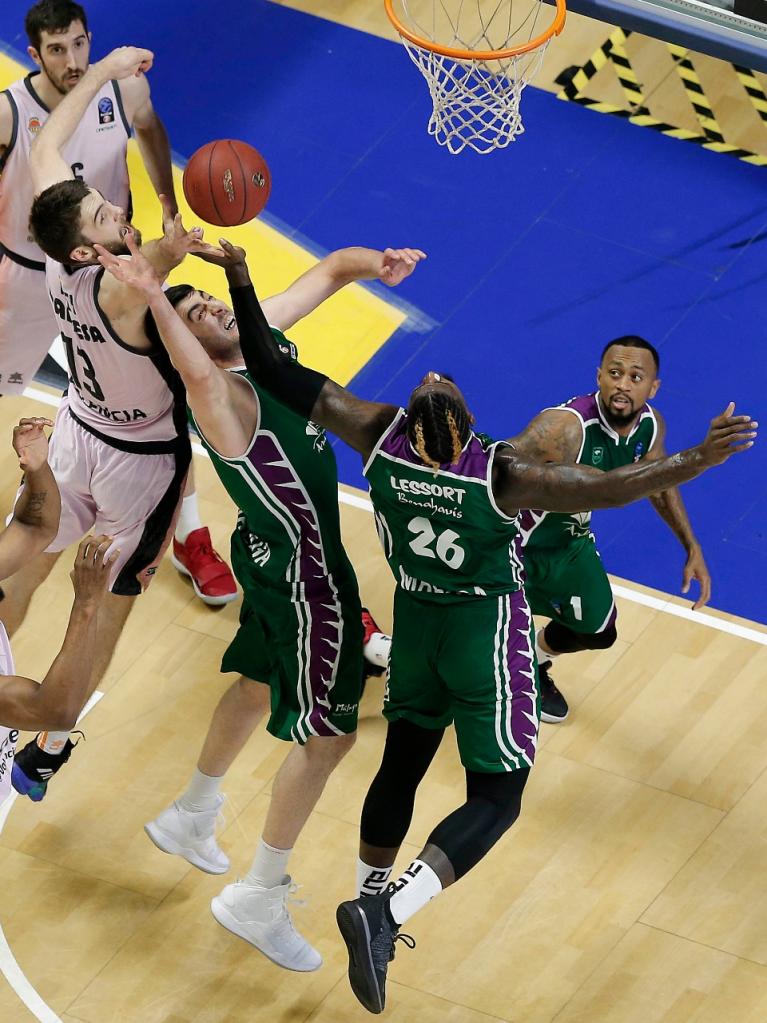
<point x="339" y="338"/>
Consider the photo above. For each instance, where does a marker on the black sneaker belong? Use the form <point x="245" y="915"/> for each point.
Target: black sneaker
<point x="33" y="768"/>
<point x="369" y="932"/>
<point x="553" y="704"/>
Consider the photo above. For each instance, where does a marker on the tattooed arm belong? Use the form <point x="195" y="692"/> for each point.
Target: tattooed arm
<point x="553" y="436"/>
<point x="571" y="488"/>
<point x="35" y="519"/>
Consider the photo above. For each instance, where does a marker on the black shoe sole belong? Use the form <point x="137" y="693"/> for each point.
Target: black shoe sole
<point x="353" y="925"/>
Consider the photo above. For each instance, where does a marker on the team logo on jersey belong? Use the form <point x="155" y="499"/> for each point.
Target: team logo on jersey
<point x="597" y="455"/>
<point x="638" y="450"/>
<point x="318" y="432"/>
<point x="34" y="125"/>
<point x="106" y="110"/>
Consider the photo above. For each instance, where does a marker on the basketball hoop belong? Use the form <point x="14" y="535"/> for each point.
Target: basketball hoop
<point x="476" y="56"/>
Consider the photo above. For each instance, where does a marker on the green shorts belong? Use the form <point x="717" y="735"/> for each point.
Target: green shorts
<point x="307" y="645"/>
<point x="472" y="663"/>
<point x="570" y="585"/>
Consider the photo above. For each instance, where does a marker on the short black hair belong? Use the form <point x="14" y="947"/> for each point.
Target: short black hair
<point x="175" y="294"/>
<point x="55" y="219"/>
<point x="633" y="341"/>
<point x="52" y="16"/>
<point x="178" y="292"/>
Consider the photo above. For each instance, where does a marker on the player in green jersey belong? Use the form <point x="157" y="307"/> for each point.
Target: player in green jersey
<point x="565" y="578"/>
<point x="461" y="644"/>
<point x="299" y="646"/>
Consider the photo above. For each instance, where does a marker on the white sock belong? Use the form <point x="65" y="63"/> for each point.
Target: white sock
<point x="540" y="653"/>
<point x="188" y="518"/>
<point x="417" y="886"/>
<point x="269" y="866"/>
<point x="371" y="880"/>
<point x="377" y="648"/>
<point x="52" y="742"/>
<point x="201" y="793"/>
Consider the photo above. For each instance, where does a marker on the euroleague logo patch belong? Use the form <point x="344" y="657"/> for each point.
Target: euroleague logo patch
<point x="106" y="110"/>
<point x="34" y="125"/>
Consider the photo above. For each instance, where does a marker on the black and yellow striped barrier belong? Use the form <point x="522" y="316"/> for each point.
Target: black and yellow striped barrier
<point x="574" y="80"/>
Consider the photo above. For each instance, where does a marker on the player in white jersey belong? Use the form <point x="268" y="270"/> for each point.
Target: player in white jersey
<point x="120" y="450"/>
<point x="96" y="152"/>
<point x="57" y="702"/>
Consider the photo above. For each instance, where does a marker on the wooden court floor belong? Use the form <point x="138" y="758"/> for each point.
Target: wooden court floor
<point x="630" y="891"/>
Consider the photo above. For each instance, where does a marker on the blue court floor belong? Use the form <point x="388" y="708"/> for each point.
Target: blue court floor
<point x="585" y="229"/>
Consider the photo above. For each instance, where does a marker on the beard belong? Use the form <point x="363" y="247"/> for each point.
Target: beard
<point x="120" y="248"/>
<point x="621" y="418"/>
<point x="63" y="84"/>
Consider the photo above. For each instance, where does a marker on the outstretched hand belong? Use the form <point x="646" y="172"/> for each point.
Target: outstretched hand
<point x="228" y="256"/>
<point x="397" y="264"/>
<point x="137" y="272"/>
<point x="176" y="240"/>
<point x="728" y="435"/>
<point x="92" y="568"/>
<point x="31" y="443"/>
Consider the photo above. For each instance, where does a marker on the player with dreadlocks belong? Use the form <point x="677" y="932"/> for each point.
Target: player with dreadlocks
<point x="446" y="501"/>
<point x="441" y="424"/>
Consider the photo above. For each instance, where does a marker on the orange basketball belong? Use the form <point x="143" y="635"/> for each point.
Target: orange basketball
<point x="227" y="182"/>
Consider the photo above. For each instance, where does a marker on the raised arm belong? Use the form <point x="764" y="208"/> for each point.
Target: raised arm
<point x="56" y="702"/>
<point x="151" y="136"/>
<point x="226" y="412"/>
<point x="46" y="163"/>
<point x="572" y="488"/>
<point x="342" y="267"/>
<point x="35" y="519"/>
<point x="670" y="506"/>
<point x="555" y="435"/>
<point x="309" y="393"/>
<point x="126" y="306"/>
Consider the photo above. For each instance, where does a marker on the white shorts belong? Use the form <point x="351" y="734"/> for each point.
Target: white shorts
<point x="134" y="498"/>
<point x="27" y="324"/>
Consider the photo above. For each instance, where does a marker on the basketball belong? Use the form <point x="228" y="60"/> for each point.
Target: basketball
<point x="227" y="182"/>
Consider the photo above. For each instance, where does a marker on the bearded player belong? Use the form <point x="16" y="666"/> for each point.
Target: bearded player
<point x="564" y="576"/>
<point x="59" y="44"/>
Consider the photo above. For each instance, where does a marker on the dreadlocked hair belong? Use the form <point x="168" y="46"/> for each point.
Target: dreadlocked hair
<point x="438" y="427"/>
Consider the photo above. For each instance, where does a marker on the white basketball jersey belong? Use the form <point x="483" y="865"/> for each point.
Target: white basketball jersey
<point x="128" y="396"/>
<point x="8" y="736"/>
<point x="96" y="153"/>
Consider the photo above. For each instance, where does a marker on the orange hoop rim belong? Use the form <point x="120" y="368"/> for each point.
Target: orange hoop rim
<point x="449" y="51"/>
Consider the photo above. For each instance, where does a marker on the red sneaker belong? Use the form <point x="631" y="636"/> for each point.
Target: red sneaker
<point x="211" y="577"/>
<point x="375" y="645"/>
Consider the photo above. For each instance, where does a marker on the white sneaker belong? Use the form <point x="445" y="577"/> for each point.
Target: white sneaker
<point x="260" y="916"/>
<point x="191" y="835"/>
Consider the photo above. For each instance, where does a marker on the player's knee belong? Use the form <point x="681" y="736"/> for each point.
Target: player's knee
<point x="602" y="640"/>
<point x="329" y="750"/>
<point x="255" y="693"/>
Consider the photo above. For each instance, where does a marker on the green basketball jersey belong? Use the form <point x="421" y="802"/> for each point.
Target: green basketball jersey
<point x="443" y="535"/>
<point x="286" y="489"/>
<point x="602" y="448"/>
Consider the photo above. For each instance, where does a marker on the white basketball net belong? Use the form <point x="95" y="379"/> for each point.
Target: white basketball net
<point x="476" y="102"/>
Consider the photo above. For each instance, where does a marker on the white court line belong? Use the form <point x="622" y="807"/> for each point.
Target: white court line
<point x="9" y="968"/>
<point x="657" y="603"/>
